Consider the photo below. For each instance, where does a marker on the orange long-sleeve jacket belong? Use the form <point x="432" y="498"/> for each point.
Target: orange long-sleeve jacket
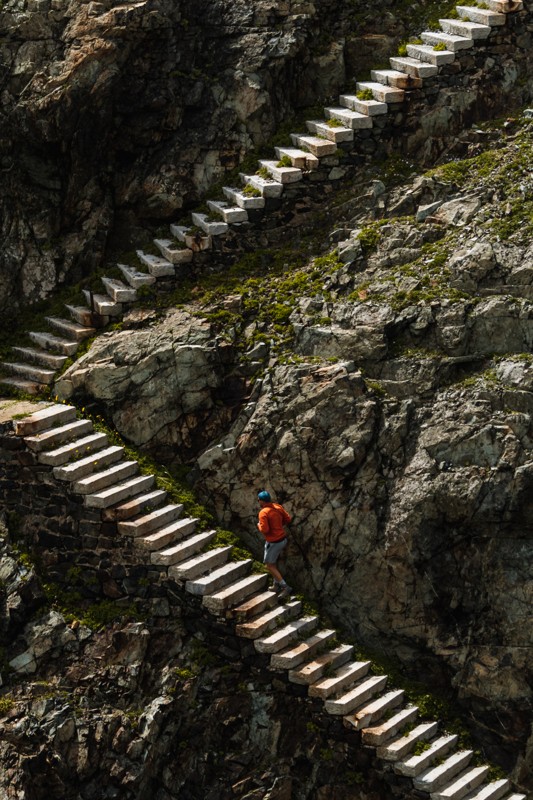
<point x="272" y="518"/>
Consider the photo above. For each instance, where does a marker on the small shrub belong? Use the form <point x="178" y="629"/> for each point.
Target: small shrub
<point x="365" y="94"/>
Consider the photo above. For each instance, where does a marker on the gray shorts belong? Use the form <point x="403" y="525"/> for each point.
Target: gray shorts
<point x="273" y="551"/>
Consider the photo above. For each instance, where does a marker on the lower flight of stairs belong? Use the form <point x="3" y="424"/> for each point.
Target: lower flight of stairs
<point x="293" y="641"/>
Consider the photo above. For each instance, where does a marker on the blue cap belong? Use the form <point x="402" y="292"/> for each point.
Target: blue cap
<point x="264" y="496"/>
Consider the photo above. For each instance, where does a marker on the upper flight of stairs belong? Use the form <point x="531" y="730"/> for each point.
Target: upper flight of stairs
<point x="293" y="641"/>
<point x="33" y="368"/>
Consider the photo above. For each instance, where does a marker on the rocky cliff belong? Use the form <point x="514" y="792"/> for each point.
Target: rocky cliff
<point x="115" y="116"/>
<point x="384" y="394"/>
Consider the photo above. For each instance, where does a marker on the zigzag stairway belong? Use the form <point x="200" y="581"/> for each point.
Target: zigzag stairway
<point x="308" y="158"/>
<point x="419" y="749"/>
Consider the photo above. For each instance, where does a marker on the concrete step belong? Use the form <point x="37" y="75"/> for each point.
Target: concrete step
<point x="384" y="94"/>
<point x="350" y="119"/>
<point x="452" y="42"/>
<point x="425" y="52"/>
<point x="202" y="564"/>
<point x="71" y="330"/>
<point x="135" y="278"/>
<point x="122" y="491"/>
<point x="103" y="304"/>
<point x="195" y="240"/>
<point x="504" y="6"/>
<point x="172" y="252"/>
<point x="484" y="16"/>
<point x="83" y="315"/>
<point x="291" y="658"/>
<point x="106" y="478"/>
<point x="301" y="159"/>
<point x="242" y="199"/>
<point x="438" y="776"/>
<point x="208" y="225"/>
<point x="268" y="188"/>
<point x="22" y="385"/>
<point x="184" y="550"/>
<point x="211" y="584"/>
<point x="78" y="448"/>
<point x="119" y="291"/>
<point x="469" y="30"/>
<point x="466" y="782"/>
<point x="132" y="508"/>
<point x="317" y="146"/>
<point x="372" y="712"/>
<point x="234" y="593"/>
<point x="44" y="420"/>
<point x="337" y="134"/>
<point x="416" y="765"/>
<point x="492" y="791"/>
<point x="268" y="620"/>
<point x="371" y="108"/>
<point x="254" y="606"/>
<point x="164" y="537"/>
<point x="517" y="797"/>
<point x="284" y="636"/>
<point x="403" y="745"/>
<point x="344" y="677"/>
<point x="157" y="266"/>
<point x="395" y="79"/>
<point x="156" y="518"/>
<point x="283" y="175"/>
<point x="384" y="731"/>
<point x="412" y="66"/>
<point x="229" y="214"/>
<point x="31" y="373"/>
<point x="87" y="466"/>
<point x="314" y="670"/>
<point x="55" y="343"/>
<point x="38" y="356"/>
<point x="355" y="697"/>
<point x="56" y="436"/>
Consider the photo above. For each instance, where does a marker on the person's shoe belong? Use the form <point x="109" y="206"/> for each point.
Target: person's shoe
<point x="285" y="592"/>
<point x="276" y="587"/>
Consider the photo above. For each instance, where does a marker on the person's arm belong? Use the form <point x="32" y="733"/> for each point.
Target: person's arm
<point x="263" y="524"/>
<point x="287" y="519"/>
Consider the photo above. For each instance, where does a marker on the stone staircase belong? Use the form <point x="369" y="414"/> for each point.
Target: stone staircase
<point x="33" y="369"/>
<point x="98" y="473"/>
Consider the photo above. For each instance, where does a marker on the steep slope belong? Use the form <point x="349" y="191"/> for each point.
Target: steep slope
<point x="394" y="418"/>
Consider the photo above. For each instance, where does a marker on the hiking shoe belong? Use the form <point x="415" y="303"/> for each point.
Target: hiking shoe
<point x="276" y="587"/>
<point x="285" y="592"/>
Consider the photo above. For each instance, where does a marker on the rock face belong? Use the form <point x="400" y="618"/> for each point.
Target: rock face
<point x="161" y="702"/>
<point x="396" y="427"/>
<point x="115" y="116"/>
<point x="170" y="386"/>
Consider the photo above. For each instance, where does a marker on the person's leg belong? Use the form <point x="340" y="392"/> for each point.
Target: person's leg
<point x="273" y="550"/>
<point x="274" y="571"/>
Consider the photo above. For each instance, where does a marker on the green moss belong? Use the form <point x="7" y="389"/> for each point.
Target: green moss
<point x="264" y="173"/>
<point x="365" y="94"/>
<point x="370" y="237"/>
<point x="251" y="191"/>
<point x="284" y="161"/>
<point x="6" y="704"/>
<point x="439" y="47"/>
<point x="420" y="747"/>
<point x="334" y="123"/>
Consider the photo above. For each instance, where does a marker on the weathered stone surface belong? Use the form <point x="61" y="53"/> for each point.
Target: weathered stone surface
<point x="172" y="377"/>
